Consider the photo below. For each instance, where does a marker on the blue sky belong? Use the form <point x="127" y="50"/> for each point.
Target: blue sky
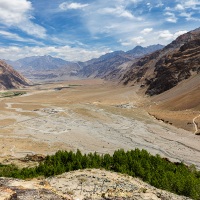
<point x="83" y="29"/>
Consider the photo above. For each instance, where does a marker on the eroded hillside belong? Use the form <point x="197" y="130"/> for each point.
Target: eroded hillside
<point x="9" y="78"/>
<point x="164" y="69"/>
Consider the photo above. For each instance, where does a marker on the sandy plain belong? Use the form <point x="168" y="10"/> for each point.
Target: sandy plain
<point x="90" y="115"/>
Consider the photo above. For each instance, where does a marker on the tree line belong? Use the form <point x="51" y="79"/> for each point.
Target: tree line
<point x="159" y="172"/>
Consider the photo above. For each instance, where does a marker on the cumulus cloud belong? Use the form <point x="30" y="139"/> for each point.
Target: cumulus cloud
<point x="179" y="7"/>
<point x="171" y="17"/>
<point x="191" y="4"/>
<point x="17" y="13"/>
<point x="178" y="33"/>
<point x="167" y="35"/>
<point x="133" y="41"/>
<point x="184" y="8"/>
<point x="189" y="16"/>
<point x="69" y="6"/>
<point x="138" y="40"/>
<point x="147" y="31"/>
<point x="65" y="52"/>
<point x="184" y="5"/>
<point x="159" y="5"/>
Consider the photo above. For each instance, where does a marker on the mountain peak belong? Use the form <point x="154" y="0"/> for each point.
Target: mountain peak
<point x="139" y="51"/>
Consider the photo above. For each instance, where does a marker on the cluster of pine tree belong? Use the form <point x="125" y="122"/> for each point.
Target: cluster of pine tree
<point x="174" y="177"/>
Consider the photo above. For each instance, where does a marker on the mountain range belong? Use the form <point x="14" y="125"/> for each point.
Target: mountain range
<point x="50" y="68"/>
<point x="108" y="63"/>
<point x="155" y="68"/>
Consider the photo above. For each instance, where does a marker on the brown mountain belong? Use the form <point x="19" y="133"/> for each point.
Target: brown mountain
<point x="9" y="78"/>
<point x="171" y="77"/>
<point x="164" y="69"/>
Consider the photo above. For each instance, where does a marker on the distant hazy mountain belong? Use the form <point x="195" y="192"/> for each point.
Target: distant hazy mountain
<point x="45" y="68"/>
<point x="9" y="78"/>
<point x="164" y="69"/>
<point x="106" y="64"/>
<point x="139" y="51"/>
<point x="39" y="63"/>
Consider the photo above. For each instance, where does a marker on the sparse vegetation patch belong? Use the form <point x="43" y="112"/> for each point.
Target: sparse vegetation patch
<point x="11" y="94"/>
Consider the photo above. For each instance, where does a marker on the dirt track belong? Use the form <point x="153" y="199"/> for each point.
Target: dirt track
<point x="96" y="116"/>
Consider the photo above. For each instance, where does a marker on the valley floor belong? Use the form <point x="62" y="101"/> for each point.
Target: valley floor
<point x="90" y="115"/>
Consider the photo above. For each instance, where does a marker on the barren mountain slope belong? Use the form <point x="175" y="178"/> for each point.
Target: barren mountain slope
<point x="164" y="69"/>
<point x="183" y="96"/>
<point x="180" y="105"/>
<point x="9" y="78"/>
<point x="108" y="65"/>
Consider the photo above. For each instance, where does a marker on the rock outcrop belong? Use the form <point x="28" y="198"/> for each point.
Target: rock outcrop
<point x="9" y="78"/>
<point x="83" y="185"/>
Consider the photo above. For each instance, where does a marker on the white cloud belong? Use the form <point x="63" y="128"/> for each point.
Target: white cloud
<point x="75" y="6"/>
<point x="159" y="5"/>
<point x="112" y="18"/>
<point x="184" y="8"/>
<point x="146" y="31"/>
<point x="168" y="9"/>
<point x="65" y="52"/>
<point x="138" y="40"/>
<point x="178" y="33"/>
<point x="189" y="16"/>
<point x="133" y="41"/>
<point x="191" y="3"/>
<point x="11" y="36"/>
<point x="179" y="7"/>
<point x="135" y="1"/>
<point x="185" y="5"/>
<point x="118" y="11"/>
<point x="171" y="17"/>
<point x="15" y="37"/>
<point x="17" y="13"/>
<point x="167" y="35"/>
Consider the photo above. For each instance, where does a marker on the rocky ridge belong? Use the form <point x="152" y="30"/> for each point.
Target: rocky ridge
<point x="83" y="185"/>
